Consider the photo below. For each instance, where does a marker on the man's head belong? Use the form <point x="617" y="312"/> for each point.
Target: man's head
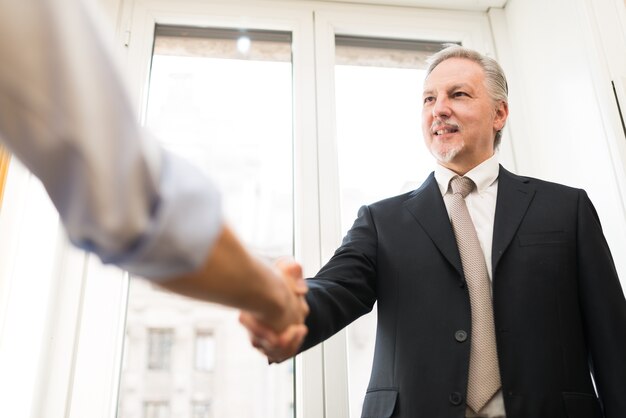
<point x="465" y="107"/>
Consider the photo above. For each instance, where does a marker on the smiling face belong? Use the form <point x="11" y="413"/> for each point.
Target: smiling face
<point x="459" y="118"/>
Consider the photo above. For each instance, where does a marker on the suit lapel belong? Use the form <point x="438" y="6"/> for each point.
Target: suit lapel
<point x="427" y="207"/>
<point x="514" y="197"/>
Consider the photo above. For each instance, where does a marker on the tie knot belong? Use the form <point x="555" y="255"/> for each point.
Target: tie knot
<point x="462" y="185"/>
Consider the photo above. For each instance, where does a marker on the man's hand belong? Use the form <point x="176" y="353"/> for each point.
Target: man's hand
<point x="293" y="308"/>
<point x="281" y="344"/>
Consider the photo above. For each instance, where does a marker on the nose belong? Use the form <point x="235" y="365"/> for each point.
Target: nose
<point x="441" y="108"/>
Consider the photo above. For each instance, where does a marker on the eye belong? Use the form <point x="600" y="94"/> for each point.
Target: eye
<point x="429" y="99"/>
<point x="460" y="94"/>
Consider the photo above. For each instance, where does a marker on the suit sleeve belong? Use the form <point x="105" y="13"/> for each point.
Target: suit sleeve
<point x="604" y="310"/>
<point x="345" y="288"/>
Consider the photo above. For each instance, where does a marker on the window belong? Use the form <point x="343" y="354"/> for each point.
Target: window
<point x="222" y="99"/>
<point x="205" y="351"/>
<point x="201" y="410"/>
<point x="378" y="85"/>
<point x="160" y="348"/>
<point x="156" y="410"/>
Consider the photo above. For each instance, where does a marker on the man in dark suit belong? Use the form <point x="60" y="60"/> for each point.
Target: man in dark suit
<point x="509" y="317"/>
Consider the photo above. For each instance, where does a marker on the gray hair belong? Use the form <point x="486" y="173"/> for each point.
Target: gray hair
<point x="495" y="80"/>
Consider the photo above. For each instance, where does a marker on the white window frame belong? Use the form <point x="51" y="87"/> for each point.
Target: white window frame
<point x="137" y="33"/>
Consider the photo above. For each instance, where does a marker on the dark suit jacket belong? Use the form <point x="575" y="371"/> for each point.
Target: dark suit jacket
<point x="559" y="308"/>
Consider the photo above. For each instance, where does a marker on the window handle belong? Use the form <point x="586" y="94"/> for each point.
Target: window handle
<point x="619" y="109"/>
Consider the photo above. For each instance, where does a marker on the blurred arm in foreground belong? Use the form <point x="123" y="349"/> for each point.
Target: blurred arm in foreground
<point x="66" y="115"/>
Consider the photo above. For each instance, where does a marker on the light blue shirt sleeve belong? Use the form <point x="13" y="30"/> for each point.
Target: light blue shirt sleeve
<point x="182" y="224"/>
<point x="65" y="114"/>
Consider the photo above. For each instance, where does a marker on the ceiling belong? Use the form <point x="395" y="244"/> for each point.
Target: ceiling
<point x="476" y="5"/>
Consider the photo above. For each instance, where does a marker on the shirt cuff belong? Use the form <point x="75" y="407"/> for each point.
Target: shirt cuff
<point x="185" y="222"/>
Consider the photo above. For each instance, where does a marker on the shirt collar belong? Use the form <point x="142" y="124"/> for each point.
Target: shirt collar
<point x="483" y="175"/>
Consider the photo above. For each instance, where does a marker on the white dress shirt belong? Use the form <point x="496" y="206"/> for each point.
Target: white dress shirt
<point x="481" y="204"/>
<point x="65" y="114"/>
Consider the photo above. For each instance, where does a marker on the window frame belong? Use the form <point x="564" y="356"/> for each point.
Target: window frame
<point x="154" y="409"/>
<point x="159" y="350"/>
<point x="138" y="20"/>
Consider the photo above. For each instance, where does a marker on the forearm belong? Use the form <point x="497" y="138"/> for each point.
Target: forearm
<point x="233" y="277"/>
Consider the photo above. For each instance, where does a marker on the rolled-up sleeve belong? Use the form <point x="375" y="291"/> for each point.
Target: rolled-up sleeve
<point x="65" y="114"/>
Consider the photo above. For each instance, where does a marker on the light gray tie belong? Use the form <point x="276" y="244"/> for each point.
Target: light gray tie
<point x="484" y="374"/>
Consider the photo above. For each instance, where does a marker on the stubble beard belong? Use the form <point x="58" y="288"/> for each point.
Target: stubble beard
<point x="446" y="153"/>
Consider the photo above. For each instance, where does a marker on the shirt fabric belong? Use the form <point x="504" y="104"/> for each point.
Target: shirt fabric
<point x="65" y="114"/>
<point x="481" y="204"/>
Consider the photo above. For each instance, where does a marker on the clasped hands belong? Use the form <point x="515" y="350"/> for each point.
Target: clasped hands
<point x="280" y="338"/>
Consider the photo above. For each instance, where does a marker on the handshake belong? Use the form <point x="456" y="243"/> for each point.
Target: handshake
<point x="271" y="299"/>
<point x="279" y="333"/>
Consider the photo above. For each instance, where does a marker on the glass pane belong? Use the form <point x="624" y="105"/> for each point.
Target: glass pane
<point x="205" y="351"/>
<point x="378" y="84"/>
<point x="222" y="99"/>
<point x="159" y="348"/>
<point x="201" y="410"/>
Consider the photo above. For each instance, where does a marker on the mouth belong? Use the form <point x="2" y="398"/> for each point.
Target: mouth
<point x="441" y="130"/>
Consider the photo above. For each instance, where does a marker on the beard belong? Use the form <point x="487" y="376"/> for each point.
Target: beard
<point x="444" y="153"/>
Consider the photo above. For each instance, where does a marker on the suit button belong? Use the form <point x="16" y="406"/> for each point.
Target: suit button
<point x="456" y="398"/>
<point x="460" y="336"/>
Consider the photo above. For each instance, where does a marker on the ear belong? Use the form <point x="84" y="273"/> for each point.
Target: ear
<point x="502" y="113"/>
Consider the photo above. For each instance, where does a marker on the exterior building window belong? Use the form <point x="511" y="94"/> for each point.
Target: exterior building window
<point x="201" y="410"/>
<point x="205" y="352"/>
<point x="156" y="410"/>
<point x="160" y="348"/>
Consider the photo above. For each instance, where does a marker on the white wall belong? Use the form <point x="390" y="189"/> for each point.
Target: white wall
<point x="564" y="123"/>
<point x="111" y="10"/>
